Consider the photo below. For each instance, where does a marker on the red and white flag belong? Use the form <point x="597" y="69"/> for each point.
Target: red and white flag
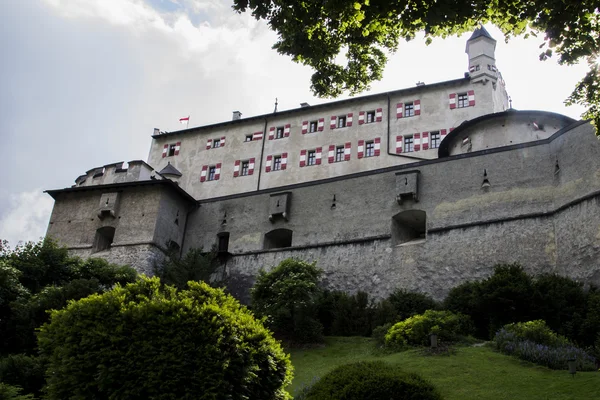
<point x="184" y="120"/>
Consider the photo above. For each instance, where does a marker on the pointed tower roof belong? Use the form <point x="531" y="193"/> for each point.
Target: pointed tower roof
<point x="170" y="170"/>
<point x="481" y="31"/>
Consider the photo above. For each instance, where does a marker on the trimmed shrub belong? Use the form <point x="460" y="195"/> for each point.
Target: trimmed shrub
<point x="538" y="332"/>
<point x="148" y="340"/>
<point x="416" y="330"/>
<point x="287" y="297"/>
<point x="467" y="299"/>
<point x="555" y="354"/>
<point x="371" y="380"/>
<point x="23" y="371"/>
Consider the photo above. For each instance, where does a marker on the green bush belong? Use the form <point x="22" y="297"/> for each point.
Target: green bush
<point x="406" y="304"/>
<point x="371" y="380"/>
<point x="345" y="315"/>
<point x="379" y="333"/>
<point x="590" y="327"/>
<point x="416" y="330"/>
<point x="9" y="392"/>
<point x="148" y="340"/>
<point x="287" y="298"/>
<point x="561" y="302"/>
<point x="538" y="332"/>
<point x="505" y="297"/>
<point x="23" y="371"/>
<point x="195" y="265"/>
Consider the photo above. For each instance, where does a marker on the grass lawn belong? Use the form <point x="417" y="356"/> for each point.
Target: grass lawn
<point x="470" y="373"/>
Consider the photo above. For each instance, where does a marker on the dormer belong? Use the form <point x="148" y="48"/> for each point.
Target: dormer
<point x="481" y="48"/>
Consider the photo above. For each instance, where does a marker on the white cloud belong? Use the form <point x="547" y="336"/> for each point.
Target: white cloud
<point x="26" y="218"/>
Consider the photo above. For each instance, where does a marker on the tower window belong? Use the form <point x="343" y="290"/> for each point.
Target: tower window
<point x="463" y="100"/>
<point x="216" y="143"/>
<point x="341" y="122"/>
<point x="313" y="126"/>
<point x="409" y="109"/>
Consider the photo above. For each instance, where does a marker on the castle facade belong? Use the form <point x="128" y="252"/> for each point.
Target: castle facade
<point x="421" y="188"/>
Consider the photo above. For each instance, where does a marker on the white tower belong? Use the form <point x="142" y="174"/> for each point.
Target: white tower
<point x="482" y="62"/>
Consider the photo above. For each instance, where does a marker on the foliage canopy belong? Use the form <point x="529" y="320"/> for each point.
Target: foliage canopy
<point x="150" y="341"/>
<point x="314" y="33"/>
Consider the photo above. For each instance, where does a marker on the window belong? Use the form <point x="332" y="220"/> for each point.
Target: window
<point x="245" y="168"/>
<point x="171" y="150"/>
<point x="339" y="153"/>
<point x="248" y="138"/>
<point x="278" y="238"/>
<point x="409" y="109"/>
<point x="407" y="226"/>
<point x="341" y="122"/>
<point x="435" y="140"/>
<point x="104" y="238"/>
<point x="277" y="163"/>
<point x="463" y="100"/>
<point x="313" y="126"/>
<point x="311" y="158"/>
<point x="216" y="143"/>
<point x="370" y="116"/>
<point x="369" y="148"/>
<point x="408" y="144"/>
<point x="223" y="239"/>
<point x="211" y="173"/>
<point x="279" y="132"/>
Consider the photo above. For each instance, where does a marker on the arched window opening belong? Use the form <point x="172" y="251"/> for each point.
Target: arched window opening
<point x="278" y="238"/>
<point x="408" y="226"/>
<point x="104" y="238"/>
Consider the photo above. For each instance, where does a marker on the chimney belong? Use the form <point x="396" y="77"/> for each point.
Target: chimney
<point x="156" y="131"/>
<point x="236" y="115"/>
<point x="303" y="105"/>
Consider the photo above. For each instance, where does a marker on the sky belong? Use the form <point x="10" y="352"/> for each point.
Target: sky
<point x="83" y="83"/>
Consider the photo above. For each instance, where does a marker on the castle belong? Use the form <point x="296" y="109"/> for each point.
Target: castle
<point x="421" y="188"/>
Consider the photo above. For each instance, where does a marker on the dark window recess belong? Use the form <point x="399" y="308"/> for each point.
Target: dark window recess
<point x="216" y="143"/>
<point x="223" y="242"/>
<point x="173" y="247"/>
<point x="248" y="138"/>
<point x="408" y="225"/>
<point x="341" y="122"/>
<point x="313" y="126"/>
<point x="278" y="238"/>
<point x="104" y="238"/>
<point x="171" y="150"/>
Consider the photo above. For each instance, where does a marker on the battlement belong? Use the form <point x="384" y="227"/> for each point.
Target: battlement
<point x="119" y="172"/>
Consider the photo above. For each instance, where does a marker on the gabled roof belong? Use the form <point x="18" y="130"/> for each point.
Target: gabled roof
<point x="481" y="31"/>
<point x="170" y="170"/>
